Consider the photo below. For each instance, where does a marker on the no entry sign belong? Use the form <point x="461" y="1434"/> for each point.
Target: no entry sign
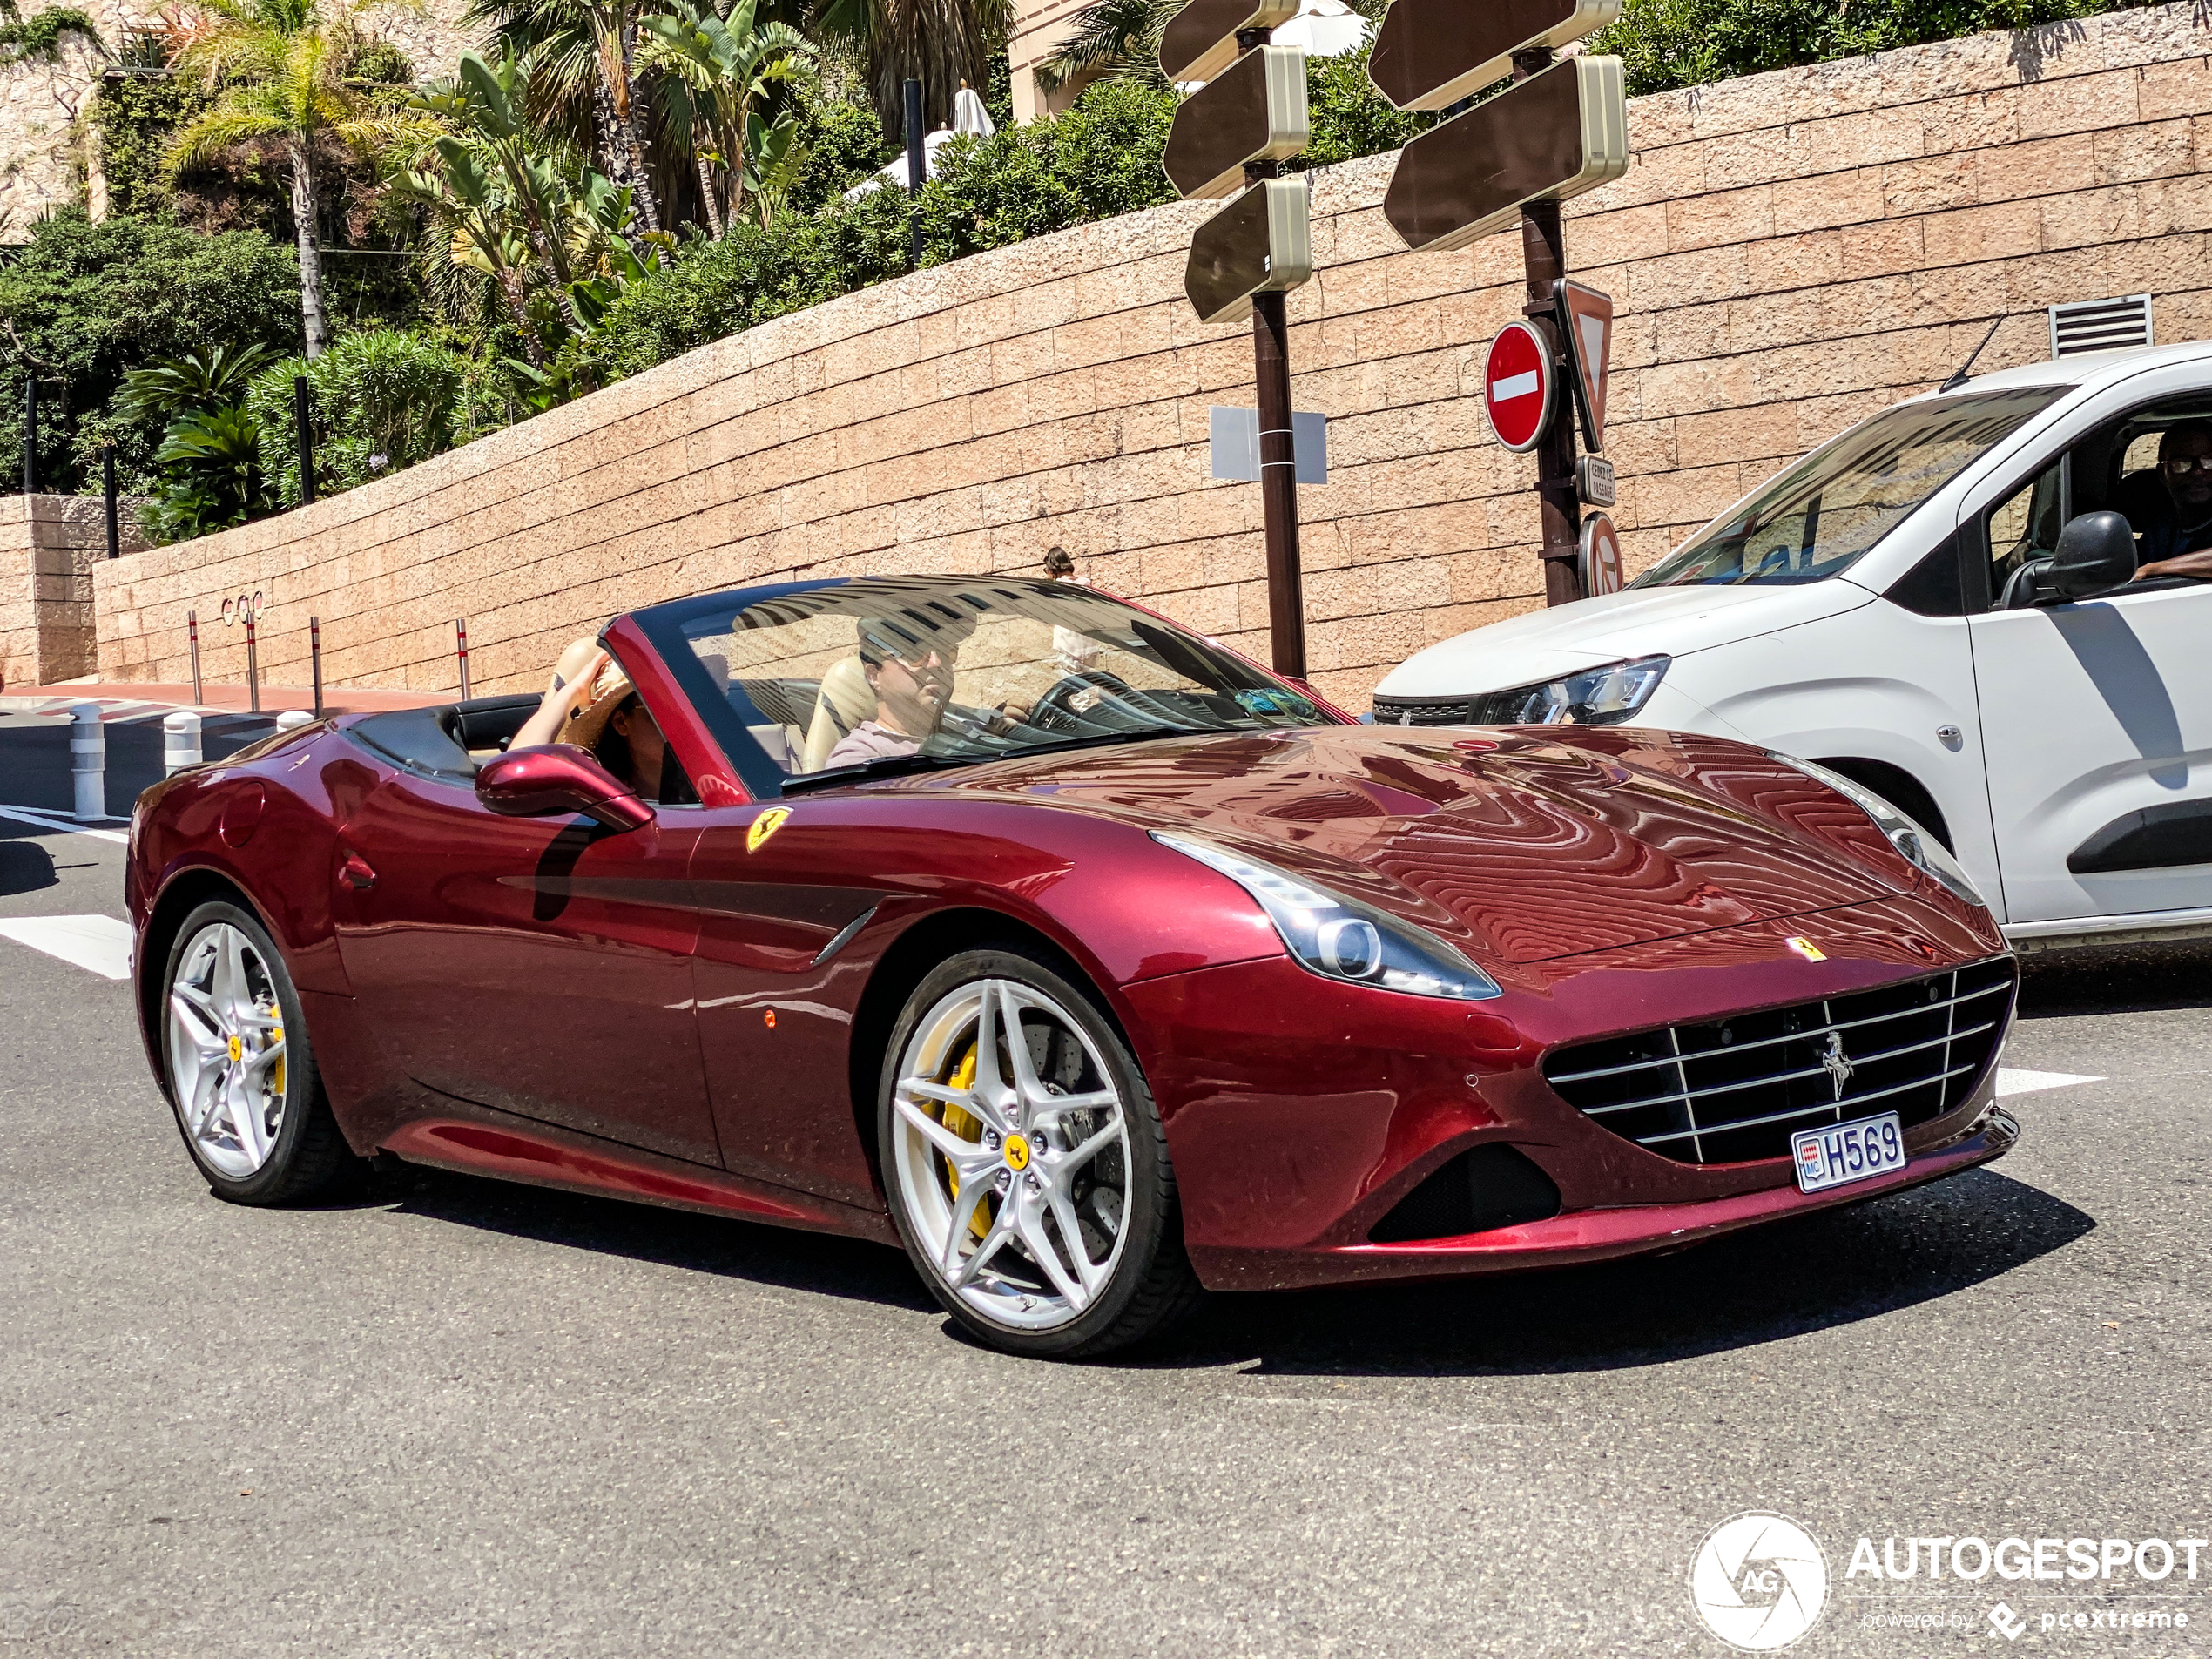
<point x="1517" y="386"/>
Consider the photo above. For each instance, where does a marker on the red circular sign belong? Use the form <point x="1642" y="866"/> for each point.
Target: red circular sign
<point x="1600" y="555"/>
<point x="1517" y="386"/>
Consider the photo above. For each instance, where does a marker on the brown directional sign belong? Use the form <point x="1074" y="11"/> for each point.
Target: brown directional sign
<point x="1430" y="53"/>
<point x="1253" y="110"/>
<point x="1200" y="40"/>
<point x="1258" y="243"/>
<point x="1560" y="132"/>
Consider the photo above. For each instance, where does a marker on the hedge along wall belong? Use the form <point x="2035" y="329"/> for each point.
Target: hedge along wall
<point x="1788" y="252"/>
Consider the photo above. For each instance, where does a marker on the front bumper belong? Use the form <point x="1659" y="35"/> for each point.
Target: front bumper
<point x="1299" y="1112"/>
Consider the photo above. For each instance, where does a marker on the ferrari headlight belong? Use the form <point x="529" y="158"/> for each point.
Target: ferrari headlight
<point x="1340" y="937"/>
<point x="1603" y="696"/>
<point x="1914" y="845"/>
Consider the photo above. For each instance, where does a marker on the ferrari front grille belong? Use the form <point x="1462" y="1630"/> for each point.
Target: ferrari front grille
<point x="1735" y="1090"/>
<point x="1421" y="711"/>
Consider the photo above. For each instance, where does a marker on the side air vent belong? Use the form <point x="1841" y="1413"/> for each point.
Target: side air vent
<point x="1484" y="1187"/>
<point x="2100" y="324"/>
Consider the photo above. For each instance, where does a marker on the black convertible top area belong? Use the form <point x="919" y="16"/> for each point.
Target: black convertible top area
<point x="437" y="742"/>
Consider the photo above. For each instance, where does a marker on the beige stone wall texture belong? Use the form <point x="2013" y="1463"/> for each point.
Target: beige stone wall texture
<point x="40" y="102"/>
<point x="49" y="545"/>
<point x="1788" y="252"/>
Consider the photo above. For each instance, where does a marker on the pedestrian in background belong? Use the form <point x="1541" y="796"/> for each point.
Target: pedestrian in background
<point x="1077" y="651"/>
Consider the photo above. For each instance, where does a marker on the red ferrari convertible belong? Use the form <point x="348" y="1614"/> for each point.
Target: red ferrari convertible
<point x="1020" y="926"/>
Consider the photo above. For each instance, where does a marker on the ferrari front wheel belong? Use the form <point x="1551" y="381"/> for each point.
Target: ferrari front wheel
<point x="1025" y="1163"/>
<point x="248" y="1099"/>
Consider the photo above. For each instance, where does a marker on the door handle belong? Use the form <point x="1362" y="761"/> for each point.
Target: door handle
<point x="355" y="872"/>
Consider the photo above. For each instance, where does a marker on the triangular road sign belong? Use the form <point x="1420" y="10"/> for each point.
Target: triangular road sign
<point x="1586" y="324"/>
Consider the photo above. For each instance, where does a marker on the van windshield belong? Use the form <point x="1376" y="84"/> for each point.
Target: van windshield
<point x="1816" y="519"/>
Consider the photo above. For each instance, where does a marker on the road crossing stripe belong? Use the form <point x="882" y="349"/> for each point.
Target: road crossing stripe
<point x="99" y="944"/>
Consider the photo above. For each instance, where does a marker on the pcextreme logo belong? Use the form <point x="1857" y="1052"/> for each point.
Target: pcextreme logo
<point x="1758" y="1582"/>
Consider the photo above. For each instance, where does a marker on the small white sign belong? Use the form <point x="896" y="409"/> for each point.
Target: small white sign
<point x="1235" y="444"/>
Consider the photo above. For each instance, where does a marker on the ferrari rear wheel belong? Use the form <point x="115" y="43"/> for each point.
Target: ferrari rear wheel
<point x="249" y="1101"/>
<point x="1027" y="1169"/>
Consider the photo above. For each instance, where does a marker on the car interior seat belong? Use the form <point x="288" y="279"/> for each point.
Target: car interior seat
<point x="845" y="700"/>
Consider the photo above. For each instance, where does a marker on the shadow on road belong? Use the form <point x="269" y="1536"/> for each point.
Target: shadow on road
<point x="849" y="1268"/>
<point x="26" y="867"/>
<point x="2129" y="979"/>
<point x="1740" y="1292"/>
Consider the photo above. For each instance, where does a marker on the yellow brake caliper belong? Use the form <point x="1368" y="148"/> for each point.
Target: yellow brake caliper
<point x="968" y="1128"/>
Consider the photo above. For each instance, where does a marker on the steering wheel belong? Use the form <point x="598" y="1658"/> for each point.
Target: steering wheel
<point x="1064" y="708"/>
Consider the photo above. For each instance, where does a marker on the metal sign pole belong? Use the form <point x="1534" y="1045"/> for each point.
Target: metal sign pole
<point x="107" y="488"/>
<point x="1279" y="483"/>
<point x="306" y="439"/>
<point x="1544" y="264"/>
<point x="917" y="167"/>
<point x="30" y="432"/>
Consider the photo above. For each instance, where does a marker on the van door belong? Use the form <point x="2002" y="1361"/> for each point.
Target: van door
<point x="2097" y="726"/>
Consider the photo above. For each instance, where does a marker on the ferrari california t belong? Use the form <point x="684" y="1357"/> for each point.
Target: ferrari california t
<point x="1092" y="964"/>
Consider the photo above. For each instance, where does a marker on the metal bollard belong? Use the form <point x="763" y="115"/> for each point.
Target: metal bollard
<point x="292" y="719"/>
<point x="252" y="669"/>
<point x="314" y="654"/>
<point x="191" y="626"/>
<point x="88" y="761"/>
<point x="179" y="742"/>
<point x="461" y="645"/>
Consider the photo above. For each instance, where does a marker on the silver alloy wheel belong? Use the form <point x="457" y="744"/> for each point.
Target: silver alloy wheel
<point x="227" y="1050"/>
<point x="1012" y="1150"/>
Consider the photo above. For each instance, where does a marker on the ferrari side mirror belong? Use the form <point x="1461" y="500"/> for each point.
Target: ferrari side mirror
<point x="2095" y="551"/>
<point x="554" y="779"/>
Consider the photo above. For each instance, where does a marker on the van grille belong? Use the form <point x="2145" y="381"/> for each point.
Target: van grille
<point x="1418" y="711"/>
<point x="1736" y="1089"/>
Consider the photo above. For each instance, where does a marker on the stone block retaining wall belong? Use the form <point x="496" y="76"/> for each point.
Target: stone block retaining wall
<point x="1788" y="252"/>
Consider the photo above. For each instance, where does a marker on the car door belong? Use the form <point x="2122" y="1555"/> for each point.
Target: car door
<point x="2097" y="724"/>
<point x="541" y="966"/>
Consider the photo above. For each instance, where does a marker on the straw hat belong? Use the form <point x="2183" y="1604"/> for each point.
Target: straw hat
<point x="588" y="723"/>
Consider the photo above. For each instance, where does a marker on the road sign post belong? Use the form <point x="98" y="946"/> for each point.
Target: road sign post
<point x="1226" y="141"/>
<point x="1560" y="129"/>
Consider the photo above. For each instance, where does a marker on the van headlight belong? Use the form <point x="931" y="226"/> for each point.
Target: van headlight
<point x="1603" y="696"/>
<point x="1340" y="937"/>
<point x="1914" y="845"/>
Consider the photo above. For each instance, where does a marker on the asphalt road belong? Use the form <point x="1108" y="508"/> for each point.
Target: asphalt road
<point x="455" y="1417"/>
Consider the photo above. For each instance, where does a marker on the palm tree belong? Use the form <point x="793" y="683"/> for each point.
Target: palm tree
<point x="714" y="69"/>
<point x="580" y="50"/>
<point x="941" y="42"/>
<point x="1112" y="40"/>
<point x="277" y="69"/>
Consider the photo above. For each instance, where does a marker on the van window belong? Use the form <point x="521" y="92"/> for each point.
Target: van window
<point x="1817" y="518"/>
<point x="2026" y="525"/>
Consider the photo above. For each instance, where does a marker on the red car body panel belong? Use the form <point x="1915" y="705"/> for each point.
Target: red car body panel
<point x="671" y="1014"/>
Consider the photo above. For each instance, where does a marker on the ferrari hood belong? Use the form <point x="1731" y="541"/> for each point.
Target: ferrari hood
<point x="1525" y="843"/>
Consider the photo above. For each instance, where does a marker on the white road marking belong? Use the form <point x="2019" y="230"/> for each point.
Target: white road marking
<point x="2010" y="1081"/>
<point x="98" y="944"/>
<point x="1512" y="385"/>
<point x="45" y="820"/>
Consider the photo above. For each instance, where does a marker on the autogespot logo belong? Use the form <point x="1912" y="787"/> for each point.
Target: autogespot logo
<point x="1758" y="1582"/>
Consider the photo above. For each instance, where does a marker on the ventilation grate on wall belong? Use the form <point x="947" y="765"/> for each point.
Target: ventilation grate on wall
<point x="2100" y="324"/>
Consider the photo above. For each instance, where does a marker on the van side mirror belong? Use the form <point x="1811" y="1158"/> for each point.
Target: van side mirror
<point x="2095" y="551"/>
<point x="554" y="779"/>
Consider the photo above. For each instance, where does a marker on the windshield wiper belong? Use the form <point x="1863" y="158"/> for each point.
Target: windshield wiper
<point x="879" y="766"/>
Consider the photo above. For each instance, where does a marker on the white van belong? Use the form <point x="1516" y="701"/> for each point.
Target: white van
<point x="1899" y="606"/>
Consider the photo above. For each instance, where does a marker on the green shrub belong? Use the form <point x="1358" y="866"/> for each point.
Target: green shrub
<point x="211" y="476"/>
<point x="379" y="402"/>
<point x="88" y="303"/>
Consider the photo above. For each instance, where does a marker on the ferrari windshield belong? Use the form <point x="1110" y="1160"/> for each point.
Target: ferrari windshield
<point x="1816" y="518"/>
<point x="893" y="674"/>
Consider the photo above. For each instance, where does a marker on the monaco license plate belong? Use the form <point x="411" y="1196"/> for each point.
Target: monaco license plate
<point x="1843" y="1153"/>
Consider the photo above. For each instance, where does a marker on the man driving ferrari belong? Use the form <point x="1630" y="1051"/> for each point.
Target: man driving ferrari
<point x="909" y="664"/>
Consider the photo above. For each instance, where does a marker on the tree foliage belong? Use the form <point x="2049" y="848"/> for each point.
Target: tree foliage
<point x="378" y="401"/>
<point x="83" y="304"/>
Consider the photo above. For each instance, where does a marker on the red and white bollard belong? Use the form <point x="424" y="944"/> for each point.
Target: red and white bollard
<point x="461" y="645"/>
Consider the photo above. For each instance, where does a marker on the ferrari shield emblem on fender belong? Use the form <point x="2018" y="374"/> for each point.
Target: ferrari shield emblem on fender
<point x="1807" y="949"/>
<point x="764" y="825"/>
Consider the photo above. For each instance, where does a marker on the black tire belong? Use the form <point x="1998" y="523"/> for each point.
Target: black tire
<point x="308" y="1155"/>
<point x="1151" y="1285"/>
